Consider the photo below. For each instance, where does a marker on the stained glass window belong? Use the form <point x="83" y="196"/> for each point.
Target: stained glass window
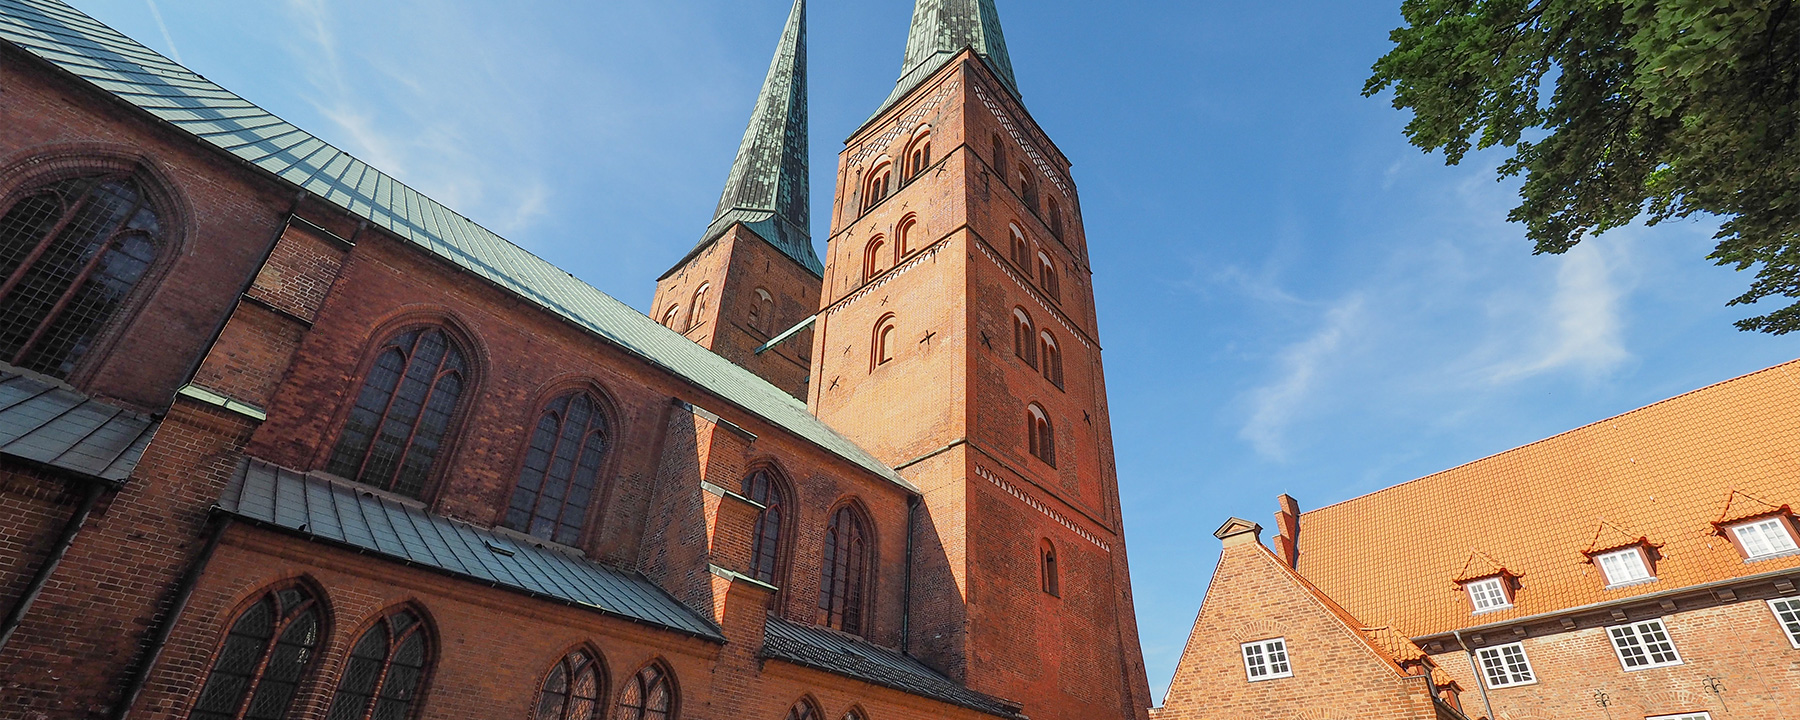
<point x="845" y="573"/>
<point x="765" y="562"/>
<point x="572" y="690"/>
<point x="268" y="651"/>
<point x="397" y="428"/>
<point x="648" y="696"/>
<point x="385" y="676"/>
<point x="561" y="470"/>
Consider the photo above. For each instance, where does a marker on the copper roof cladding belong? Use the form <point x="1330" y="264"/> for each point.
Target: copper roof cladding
<point x="1667" y="472"/>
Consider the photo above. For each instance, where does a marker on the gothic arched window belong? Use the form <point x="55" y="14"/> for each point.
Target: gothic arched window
<point x="804" y="710"/>
<point x="904" y="242"/>
<point x="385" y="676"/>
<point x="671" y="316"/>
<point x="266" y="654"/>
<point x="649" y="695"/>
<point x="561" y="470"/>
<point x="918" y="157"/>
<point x="1051" y="356"/>
<point x="876" y="189"/>
<point x="999" y="157"/>
<point x="1028" y="187"/>
<point x="573" y="689"/>
<point x="765" y="488"/>
<point x="1024" y="339"/>
<point x="699" y="314"/>
<point x="1047" y="571"/>
<point x="762" y="312"/>
<point x="845" y="575"/>
<point x="1047" y="278"/>
<point x="1021" y="250"/>
<point x="70" y="255"/>
<point x="873" y="262"/>
<point x="1056" y="218"/>
<point x="883" y="352"/>
<point x="397" y="428"/>
<point x="1043" y="435"/>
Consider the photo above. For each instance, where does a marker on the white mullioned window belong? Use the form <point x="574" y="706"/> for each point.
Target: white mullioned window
<point x="1625" y="567"/>
<point x="1787" y="612"/>
<point x="1765" y="538"/>
<point x="1267" y="660"/>
<point x="1684" y="716"/>
<point x="1488" y="595"/>
<point x="1644" y="645"/>
<point x="1506" y="666"/>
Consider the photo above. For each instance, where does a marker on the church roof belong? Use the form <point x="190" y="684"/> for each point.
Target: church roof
<point x="50" y="425"/>
<point x="107" y="59"/>
<point x="1666" y="472"/>
<point x="943" y="28"/>
<point x="768" y="189"/>
<point x="853" y="657"/>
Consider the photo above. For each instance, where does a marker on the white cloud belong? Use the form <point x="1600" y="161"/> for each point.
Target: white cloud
<point x="1580" y="326"/>
<point x="1274" y="406"/>
<point x="156" y="12"/>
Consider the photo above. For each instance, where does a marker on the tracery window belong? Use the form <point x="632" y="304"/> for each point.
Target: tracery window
<point x="396" y="429"/>
<point x="876" y="189"/>
<point x="1047" y="570"/>
<point x="845" y="572"/>
<point x="873" y="262"/>
<point x="1043" y="434"/>
<point x="71" y="253"/>
<point x="1024" y="339"/>
<point x="649" y="695"/>
<point x="385" y="676"/>
<point x="904" y="242"/>
<point x="561" y="470"/>
<point x="883" y="352"/>
<point x="1047" y="278"/>
<point x="918" y="157"/>
<point x="1052" y="358"/>
<point x="765" y="488"/>
<point x="573" y="689"/>
<point x="268" y="651"/>
<point x="804" y="710"/>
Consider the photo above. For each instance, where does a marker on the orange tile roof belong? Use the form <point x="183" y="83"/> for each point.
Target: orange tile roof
<point x="1667" y="471"/>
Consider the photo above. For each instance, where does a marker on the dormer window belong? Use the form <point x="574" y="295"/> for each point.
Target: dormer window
<point x="1488" y="595"/>
<point x="1765" y="538"/>
<point x="1625" y="567"/>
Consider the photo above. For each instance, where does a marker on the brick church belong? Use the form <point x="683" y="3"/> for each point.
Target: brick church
<point x="1644" y="567"/>
<point x="280" y="437"/>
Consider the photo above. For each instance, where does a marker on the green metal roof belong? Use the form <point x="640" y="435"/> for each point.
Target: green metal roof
<point x="48" y="424"/>
<point x="943" y="28"/>
<point x="768" y="190"/>
<point x="81" y="45"/>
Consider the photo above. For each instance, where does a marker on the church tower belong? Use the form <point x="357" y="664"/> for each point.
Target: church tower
<point x="957" y="342"/>
<point x="754" y="275"/>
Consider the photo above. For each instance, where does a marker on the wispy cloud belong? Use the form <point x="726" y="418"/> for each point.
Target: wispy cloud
<point x="156" y="12"/>
<point x="1581" y="326"/>
<point x="1275" y="406"/>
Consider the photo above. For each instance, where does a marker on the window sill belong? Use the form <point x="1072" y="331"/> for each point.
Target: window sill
<point x="1512" y="685"/>
<point x="1501" y="608"/>
<point x="1271" y="677"/>
<point x="1772" y="556"/>
<point x="1633" y="583"/>
<point x="1677" y="663"/>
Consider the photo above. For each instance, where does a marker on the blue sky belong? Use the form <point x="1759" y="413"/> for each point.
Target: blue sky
<point x="1292" y="299"/>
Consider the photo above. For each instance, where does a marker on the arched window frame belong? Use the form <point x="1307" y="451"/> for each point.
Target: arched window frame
<point x="884" y="341"/>
<point x="638" y="694"/>
<point x="1024" y="338"/>
<point x="918" y="153"/>
<point x="767" y="486"/>
<point x="1047" y="279"/>
<point x="873" y="261"/>
<point x="856" y="713"/>
<point x="1028" y="186"/>
<point x="379" y="691"/>
<point x="999" y="158"/>
<point x="904" y="242"/>
<point x="564" y="703"/>
<point x="699" y="305"/>
<point x="103" y="328"/>
<point x="559" y="406"/>
<point x="1049" y="571"/>
<point x="1050" y="356"/>
<point x="1021" y="249"/>
<point x="460" y="345"/>
<point x="805" y="709"/>
<point x="762" y="312"/>
<point x="1042" y="432"/>
<point x="672" y="316"/>
<point x="286" y="619"/>
<point x="878" y="183"/>
<point x="1056" y="217"/>
<point x="846" y="571"/>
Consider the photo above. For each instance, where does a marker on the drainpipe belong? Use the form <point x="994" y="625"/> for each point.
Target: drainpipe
<point x="912" y="528"/>
<point x="140" y="676"/>
<point x="39" y="581"/>
<point x="1475" y="666"/>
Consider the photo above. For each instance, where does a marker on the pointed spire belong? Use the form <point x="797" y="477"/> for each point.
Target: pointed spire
<point x="768" y="189"/>
<point x="943" y="28"/>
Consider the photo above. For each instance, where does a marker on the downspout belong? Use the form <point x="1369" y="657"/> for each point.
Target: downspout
<point x="140" y="676"/>
<point x="39" y="581"/>
<point x="1475" y="667"/>
<point x="912" y="529"/>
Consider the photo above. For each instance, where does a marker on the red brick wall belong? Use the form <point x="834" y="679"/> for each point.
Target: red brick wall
<point x="734" y="267"/>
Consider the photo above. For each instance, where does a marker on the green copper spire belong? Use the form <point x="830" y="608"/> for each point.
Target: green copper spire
<point x="768" y="189"/>
<point x="943" y="28"/>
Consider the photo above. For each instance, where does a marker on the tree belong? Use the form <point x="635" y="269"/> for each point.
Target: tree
<point x="1620" y="109"/>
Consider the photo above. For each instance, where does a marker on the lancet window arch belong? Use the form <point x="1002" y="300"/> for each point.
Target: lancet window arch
<point x="271" y="648"/>
<point x="918" y="154"/>
<point x="1024" y="338"/>
<point x="999" y="156"/>
<point x="1047" y="279"/>
<point x="1049" y="573"/>
<point x="805" y="709"/>
<point x="1042" y="434"/>
<point x="671" y="316"/>
<point x="762" y="312"/>
<point x="560" y="473"/>
<point x="574" y="687"/>
<point x="1021" y="249"/>
<point x="1056" y="217"/>
<point x="878" y="183"/>
<point x="1050" y="356"/>
<point x="844" y="579"/>
<point x="904" y="241"/>
<point x="875" y="258"/>
<point x="402" y="418"/>
<point x="1028" y="186"/>
<point x="700" y="305"/>
<point x="885" y="342"/>
<point x="385" y="676"/>
<point x="768" y="549"/>
<point x="72" y="254"/>
<point x="649" y="695"/>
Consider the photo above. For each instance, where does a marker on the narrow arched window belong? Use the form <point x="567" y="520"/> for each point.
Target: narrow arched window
<point x="1021" y="250"/>
<point x="385" y="677"/>
<point x="804" y="710"/>
<point x="876" y="189"/>
<point x="649" y="695"/>
<point x="269" y="650"/>
<point x="918" y="157"/>
<point x="1052" y="580"/>
<point x="1027" y="187"/>
<point x="70" y="255"/>
<point x="883" y="352"/>
<point x="845" y="578"/>
<point x="873" y="260"/>
<point x="1024" y="338"/>
<point x="397" y="428"/>
<point x="561" y="470"/>
<point x="1056" y="217"/>
<point x="1042" y="433"/>
<point x="1051" y="357"/>
<point x="762" y="312"/>
<point x="904" y="242"/>
<point x="1047" y="278"/>
<point x="671" y="316"/>
<point x="765" y="488"/>
<point x="698" y="316"/>
<point x="999" y="155"/>
<point x="573" y="689"/>
<point x="855" y="715"/>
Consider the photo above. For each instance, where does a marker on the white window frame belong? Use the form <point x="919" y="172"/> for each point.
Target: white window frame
<point x="1498" y="652"/>
<point x="1783" y="533"/>
<point x="1495" y="586"/>
<point x="1271" y="659"/>
<point x="1636" y="560"/>
<point x="1783" y="609"/>
<point x="1702" y="715"/>
<point x="1637" y="631"/>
